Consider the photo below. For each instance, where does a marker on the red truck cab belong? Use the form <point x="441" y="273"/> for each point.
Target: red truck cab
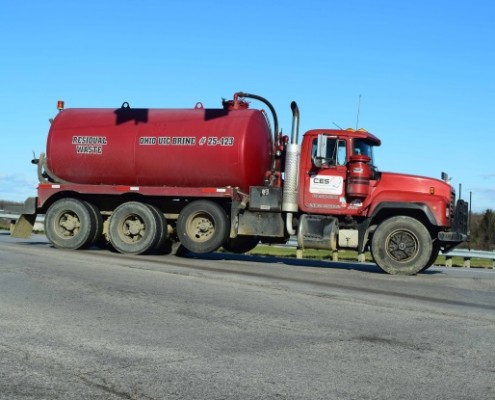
<point x="338" y="177"/>
<point x="326" y="157"/>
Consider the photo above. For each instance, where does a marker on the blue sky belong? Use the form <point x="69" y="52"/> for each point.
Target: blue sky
<point x="424" y="68"/>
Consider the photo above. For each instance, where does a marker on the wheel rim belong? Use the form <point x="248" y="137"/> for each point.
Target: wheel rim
<point x="402" y="245"/>
<point x="132" y="229"/>
<point x="67" y="225"/>
<point x="200" y="227"/>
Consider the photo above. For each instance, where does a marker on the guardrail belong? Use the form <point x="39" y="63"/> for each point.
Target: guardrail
<point x="467" y="255"/>
<point x="12" y="217"/>
<point x="8" y="215"/>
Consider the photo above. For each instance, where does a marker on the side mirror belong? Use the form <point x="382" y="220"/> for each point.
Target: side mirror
<point x="326" y="152"/>
<point x="321" y="151"/>
<point x="321" y="147"/>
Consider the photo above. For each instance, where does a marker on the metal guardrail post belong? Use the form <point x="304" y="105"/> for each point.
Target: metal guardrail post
<point x="468" y="255"/>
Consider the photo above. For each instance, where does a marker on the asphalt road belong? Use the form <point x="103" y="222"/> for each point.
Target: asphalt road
<point x="98" y="325"/>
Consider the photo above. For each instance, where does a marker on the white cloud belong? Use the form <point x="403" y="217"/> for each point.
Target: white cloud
<point x="482" y="199"/>
<point x="15" y="187"/>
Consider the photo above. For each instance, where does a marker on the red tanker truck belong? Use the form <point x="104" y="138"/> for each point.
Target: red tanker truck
<point x="207" y="178"/>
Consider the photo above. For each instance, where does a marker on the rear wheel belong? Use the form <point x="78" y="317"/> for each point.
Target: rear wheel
<point x="202" y="226"/>
<point x="162" y="234"/>
<point x="402" y="246"/>
<point x="241" y="244"/>
<point x="98" y="221"/>
<point x="134" y="228"/>
<point x="70" y="224"/>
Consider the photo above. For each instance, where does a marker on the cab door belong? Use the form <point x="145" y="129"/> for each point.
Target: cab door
<point x="325" y="175"/>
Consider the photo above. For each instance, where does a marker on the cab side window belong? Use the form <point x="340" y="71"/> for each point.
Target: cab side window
<point x="336" y="153"/>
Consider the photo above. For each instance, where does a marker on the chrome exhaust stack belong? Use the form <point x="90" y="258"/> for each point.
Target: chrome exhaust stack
<point x="291" y="184"/>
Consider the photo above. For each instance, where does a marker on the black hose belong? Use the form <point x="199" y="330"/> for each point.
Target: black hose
<point x="269" y="105"/>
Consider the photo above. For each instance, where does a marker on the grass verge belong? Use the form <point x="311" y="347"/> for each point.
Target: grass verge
<point x="349" y="255"/>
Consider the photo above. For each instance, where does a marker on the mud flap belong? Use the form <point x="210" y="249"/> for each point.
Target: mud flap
<point x="23" y="228"/>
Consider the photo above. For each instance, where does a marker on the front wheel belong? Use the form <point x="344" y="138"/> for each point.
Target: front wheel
<point x="401" y="246"/>
<point x="202" y="226"/>
<point x="434" y="255"/>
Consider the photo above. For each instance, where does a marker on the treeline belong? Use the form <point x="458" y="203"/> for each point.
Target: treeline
<point x="483" y="231"/>
<point x="10" y="206"/>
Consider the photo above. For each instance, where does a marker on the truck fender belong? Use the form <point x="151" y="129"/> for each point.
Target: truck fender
<point x="386" y="207"/>
<point x="405" y="208"/>
<point x="363" y="232"/>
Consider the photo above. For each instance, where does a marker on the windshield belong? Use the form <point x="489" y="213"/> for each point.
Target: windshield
<point x="363" y="148"/>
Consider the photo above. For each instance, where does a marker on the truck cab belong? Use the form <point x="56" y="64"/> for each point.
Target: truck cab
<point x="337" y="171"/>
<point x="405" y="220"/>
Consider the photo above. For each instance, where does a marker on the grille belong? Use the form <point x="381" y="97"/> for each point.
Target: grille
<point x="452" y="206"/>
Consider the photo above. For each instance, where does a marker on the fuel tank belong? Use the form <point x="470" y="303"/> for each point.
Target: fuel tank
<point x="196" y="147"/>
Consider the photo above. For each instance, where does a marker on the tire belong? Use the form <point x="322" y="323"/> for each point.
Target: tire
<point x="401" y="246"/>
<point x="98" y="221"/>
<point x="241" y="244"/>
<point x="202" y="226"/>
<point x="134" y="228"/>
<point x="70" y="224"/>
<point x="434" y="255"/>
<point x="162" y="233"/>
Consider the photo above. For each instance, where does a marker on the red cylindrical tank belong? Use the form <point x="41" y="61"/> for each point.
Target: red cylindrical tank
<point x="161" y="147"/>
<point x="359" y="174"/>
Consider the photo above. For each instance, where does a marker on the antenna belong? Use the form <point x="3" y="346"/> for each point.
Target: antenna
<point x="358" y="111"/>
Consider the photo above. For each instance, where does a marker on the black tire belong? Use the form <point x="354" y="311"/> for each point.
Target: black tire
<point x="133" y="228"/>
<point x="241" y="244"/>
<point x="98" y="221"/>
<point x="434" y="255"/>
<point x="202" y="226"/>
<point x="70" y="224"/>
<point x="401" y="246"/>
<point x="162" y="232"/>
